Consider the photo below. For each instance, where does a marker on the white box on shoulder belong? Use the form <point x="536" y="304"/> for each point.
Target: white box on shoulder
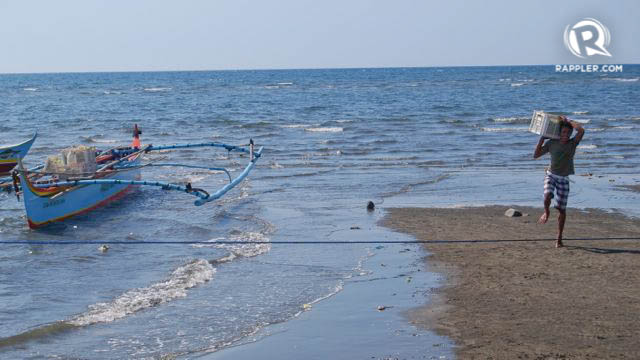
<point x="544" y="124"/>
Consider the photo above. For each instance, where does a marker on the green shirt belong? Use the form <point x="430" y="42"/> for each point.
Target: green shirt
<point x="561" y="156"/>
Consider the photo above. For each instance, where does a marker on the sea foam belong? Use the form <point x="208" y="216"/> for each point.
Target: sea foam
<point x="182" y="279"/>
<point x="325" y="129"/>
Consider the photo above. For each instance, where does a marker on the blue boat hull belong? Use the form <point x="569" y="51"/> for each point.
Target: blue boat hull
<point x="9" y="155"/>
<point x="42" y="210"/>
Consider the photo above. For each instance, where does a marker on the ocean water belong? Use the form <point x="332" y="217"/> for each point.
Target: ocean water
<point x="334" y="139"/>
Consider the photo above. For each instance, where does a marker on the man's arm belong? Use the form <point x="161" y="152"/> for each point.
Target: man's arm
<point x="579" y="131"/>
<point x="540" y="149"/>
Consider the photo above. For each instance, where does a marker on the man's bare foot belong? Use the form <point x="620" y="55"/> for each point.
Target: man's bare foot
<point x="543" y="219"/>
<point x="559" y="243"/>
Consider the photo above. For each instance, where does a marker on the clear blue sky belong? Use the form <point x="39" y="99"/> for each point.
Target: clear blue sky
<point x="136" y="35"/>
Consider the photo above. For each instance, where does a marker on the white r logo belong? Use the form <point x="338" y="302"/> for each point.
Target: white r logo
<point x="587" y="37"/>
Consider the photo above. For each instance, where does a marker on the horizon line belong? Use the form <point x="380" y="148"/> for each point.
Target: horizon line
<point x="289" y="69"/>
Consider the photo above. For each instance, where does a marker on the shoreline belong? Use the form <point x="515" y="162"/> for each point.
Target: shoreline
<point x="527" y="298"/>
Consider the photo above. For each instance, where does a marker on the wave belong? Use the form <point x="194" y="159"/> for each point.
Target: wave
<point x="516" y="84"/>
<point x="315" y="108"/>
<point x="256" y="125"/>
<point x="182" y="279"/>
<point x="511" y="120"/>
<point x="580" y="112"/>
<point x="505" y="129"/>
<point x="623" y="79"/>
<point x="295" y="126"/>
<point x="244" y="247"/>
<point x="275" y="165"/>
<point x="587" y="147"/>
<point x="451" y="121"/>
<point x="30" y="89"/>
<point x="157" y="89"/>
<point x="339" y="287"/>
<point x="325" y="129"/>
<point x="93" y="139"/>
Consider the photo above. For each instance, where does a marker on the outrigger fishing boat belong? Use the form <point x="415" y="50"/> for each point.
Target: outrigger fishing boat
<point x="83" y="179"/>
<point x="10" y="154"/>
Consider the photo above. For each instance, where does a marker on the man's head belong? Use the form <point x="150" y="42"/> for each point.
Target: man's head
<point x="565" y="130"/>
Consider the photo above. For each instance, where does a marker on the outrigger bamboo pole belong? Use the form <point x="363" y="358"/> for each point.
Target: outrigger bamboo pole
<point x="203" y="196"/>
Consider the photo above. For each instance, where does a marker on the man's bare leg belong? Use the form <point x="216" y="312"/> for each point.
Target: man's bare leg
<point x="545" y="216"/>
<point x="561" y="218"/>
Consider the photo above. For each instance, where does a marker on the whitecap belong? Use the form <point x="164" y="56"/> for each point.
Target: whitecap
<point x="285" y="83"/>
<point x="30" y="89"/>
<point x="295" y="126"/>
<point x="182" y="279"/>
<point x="622" y="79"/>
<point x="505" y="129"/>
<point x="103" y="141"/>
<point x="580" y="112"/>
<point x="517" y="84"/>
<point x="95" y="139"/>
<point x="325" y="129"/>
<point x="587" y="147"/>
<point x="510" y="119"/>
<point x="157" y="89"/>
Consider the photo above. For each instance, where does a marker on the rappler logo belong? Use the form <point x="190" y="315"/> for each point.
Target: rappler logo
<point x="586" y="38"/>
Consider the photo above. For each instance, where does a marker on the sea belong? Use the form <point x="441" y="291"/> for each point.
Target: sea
<point x="253" y="265"/>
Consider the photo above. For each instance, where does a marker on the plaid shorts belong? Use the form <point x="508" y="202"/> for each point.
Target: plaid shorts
<point x="559" y="185"/>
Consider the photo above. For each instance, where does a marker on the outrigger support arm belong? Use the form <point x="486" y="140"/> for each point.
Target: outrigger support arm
<point x="209" y="144"/>
<point x="218" y="194"/>
<point x="203" y="196"/>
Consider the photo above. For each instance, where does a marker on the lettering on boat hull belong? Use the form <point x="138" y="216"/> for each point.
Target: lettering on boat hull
<point x="53" y="203"/>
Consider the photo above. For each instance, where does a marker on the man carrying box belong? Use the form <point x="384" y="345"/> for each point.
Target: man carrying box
<point x="556" y="181"/>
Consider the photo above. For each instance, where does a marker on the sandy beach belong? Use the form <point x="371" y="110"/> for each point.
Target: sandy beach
<point x="527" y="299"/>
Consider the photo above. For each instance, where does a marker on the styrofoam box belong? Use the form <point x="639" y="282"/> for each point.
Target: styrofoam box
<point x="544" y="124"/>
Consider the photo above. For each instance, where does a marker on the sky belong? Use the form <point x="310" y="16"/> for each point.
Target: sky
<point x="159" y="35"/>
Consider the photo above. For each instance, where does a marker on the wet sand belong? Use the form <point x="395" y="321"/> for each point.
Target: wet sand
<point x="509" y="300"/>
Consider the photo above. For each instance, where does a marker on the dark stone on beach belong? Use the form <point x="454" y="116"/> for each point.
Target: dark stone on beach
<point x="371" y="206"/>
<point x="355" y="228"/>
<point x="512" y="213"/>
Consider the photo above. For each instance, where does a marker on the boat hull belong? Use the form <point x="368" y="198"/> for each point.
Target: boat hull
<point x="9" y="155"/>
<point x="44" y="210"/>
